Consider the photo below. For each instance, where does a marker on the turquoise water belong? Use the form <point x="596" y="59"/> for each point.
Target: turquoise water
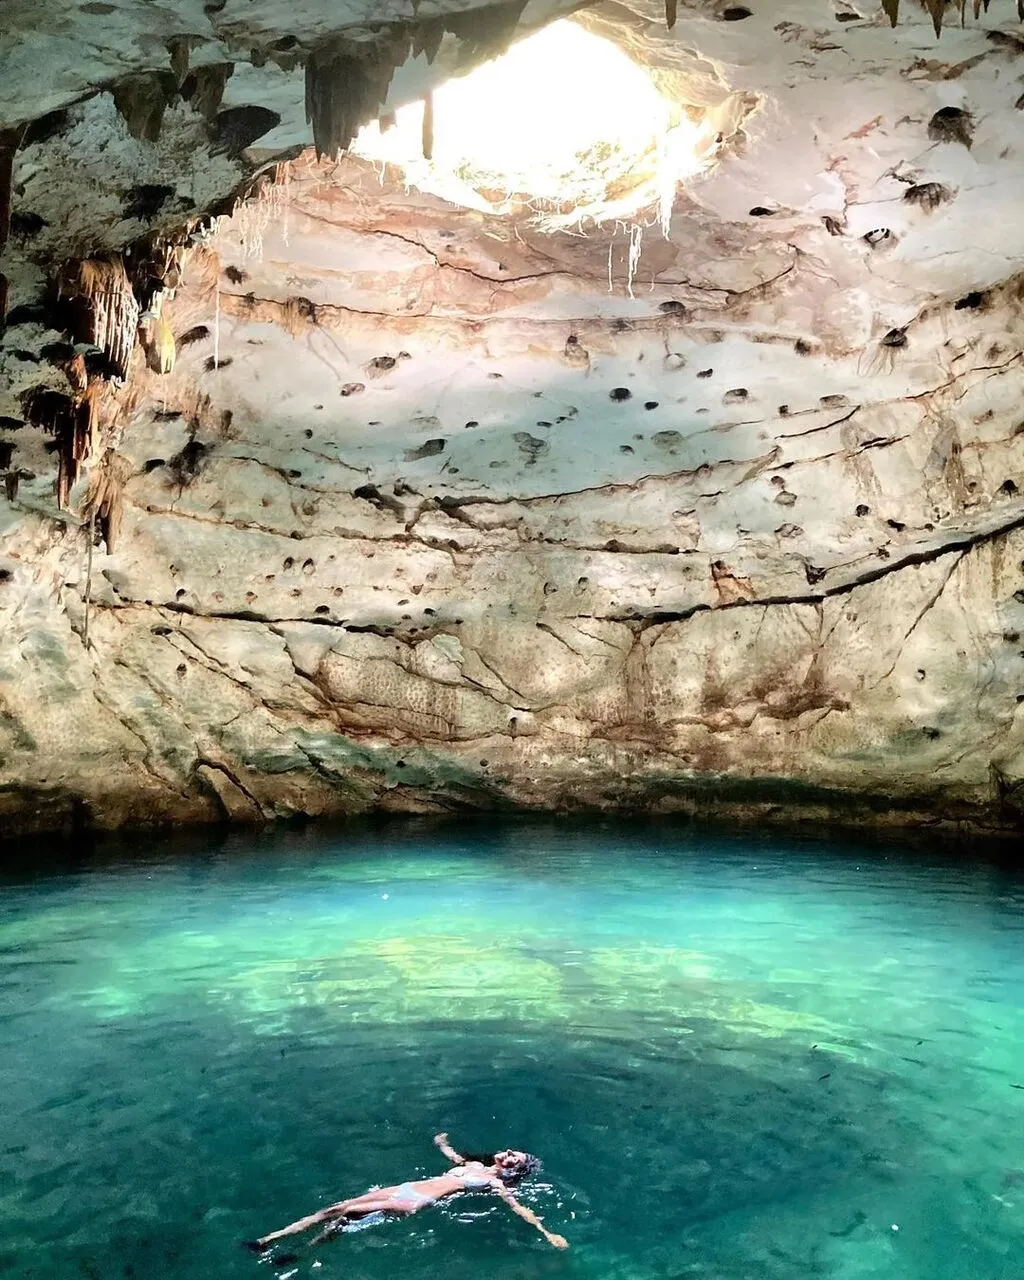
<point x="738" y="1057"/>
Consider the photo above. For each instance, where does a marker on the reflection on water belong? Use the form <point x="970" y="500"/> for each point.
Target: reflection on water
<point x="737" y="1057"/>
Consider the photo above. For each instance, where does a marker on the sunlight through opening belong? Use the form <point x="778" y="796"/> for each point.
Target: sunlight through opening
<point x="564" y="126"/>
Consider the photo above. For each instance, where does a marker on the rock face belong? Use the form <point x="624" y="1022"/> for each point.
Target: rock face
<point x="435" y="510"/>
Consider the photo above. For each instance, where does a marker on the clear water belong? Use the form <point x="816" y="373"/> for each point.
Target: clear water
<point x="738" y="1058"/>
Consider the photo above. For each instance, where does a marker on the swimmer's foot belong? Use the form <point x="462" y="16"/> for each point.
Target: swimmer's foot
<point x="255" y="1246"/>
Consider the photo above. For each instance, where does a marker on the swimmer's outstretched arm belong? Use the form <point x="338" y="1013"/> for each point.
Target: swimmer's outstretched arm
<point x="529" y="1216"/>
<point x="441" y="1142"/>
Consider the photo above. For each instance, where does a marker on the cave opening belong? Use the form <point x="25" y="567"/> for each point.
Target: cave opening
<point x="564" y="126"/>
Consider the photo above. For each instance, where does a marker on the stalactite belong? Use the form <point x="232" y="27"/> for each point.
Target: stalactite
<point x="937" y="10"/>
<point x="428" y="127"/>
<point x="104" y="498"/>
<point x="142" y="99"/>
<point x="485" y="32"/>
<point x="338" y="93"/>
<point x="10" y="140"/>
<point x="203" y="87"/>
<point x="109" y="316"/>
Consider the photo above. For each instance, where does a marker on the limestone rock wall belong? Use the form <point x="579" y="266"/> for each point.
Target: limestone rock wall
<point x="456" y="526"/>
<point x="436" y="511"/>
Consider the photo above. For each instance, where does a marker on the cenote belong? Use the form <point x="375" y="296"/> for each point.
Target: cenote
<point x="737" y="1056"/>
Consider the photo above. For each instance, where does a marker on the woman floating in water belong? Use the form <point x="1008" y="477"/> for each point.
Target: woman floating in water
<point x="492" y="1173"/>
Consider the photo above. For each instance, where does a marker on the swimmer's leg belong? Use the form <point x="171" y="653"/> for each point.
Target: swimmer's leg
<point x="301" y="1224"/>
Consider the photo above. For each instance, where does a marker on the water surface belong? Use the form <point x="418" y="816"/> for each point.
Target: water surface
<point x="738" y="1057"/>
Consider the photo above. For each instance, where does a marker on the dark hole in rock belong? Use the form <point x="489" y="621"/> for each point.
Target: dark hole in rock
<point x="11" y="424"/>
<point x="294" y="475"/>
<point x="583" y="582"/>
<point x="672" y="308"/>
<point x="802" y="347"/>
<point x="626" y="448"/>
<point x="762" y="211"/>
<point x="951" y="124"/>
<point x="187" y="464"/>
<point x="970" y="301"/>
<point x="352" y="388"/>
<point x="543" y="424"/>
<point x="145" y="201"/>
<point x="196" y="334"/>
<point x="651" y="404"/>
<point x="239" y="127"/>
<point x="6" y="453"/>
<point x="236" y="275"/>
<point x="832" y="225"/>
<point x="211" y="364"/>
<point x="180" y="594"/>
<point x="288" y="563"/>
<point x="847" y="17"/>
<point x="284" y="44"/>
<point x="736" y="13"/>
<point x="428" y="449"/>
<point x="1008" y="487"/>
<point x="895" y="338"/>
<point x="783" y="410"/>
<point x="322" y="609"/>
<point x="25" y="225"/>
<point x="862" y="510"/>
<point x="620" y="393"/>
<point x="833" y="402"/>
<point x="6" y="575"/>
<point x="666" y="439"/>
<point x="57" y="352"/>
<point x="813" y="573"/>
<point x="152" y="464"/>
<point x="621" y="326"/>
<point x="308" y="433"/>
<point x="878" y="236"/>
<point x="472" y="423"/>
<point x="704" y="373"/>
<point x="927" y="195"/>
<point x="27" y="313"/>
<point x="1019" y="596"/>
<point x="383" y="363"/>
<point x="736" y="396"/>
<point x="898" y="525"/>
<point x="930" y="733"/>
<point x="43" y="128"/>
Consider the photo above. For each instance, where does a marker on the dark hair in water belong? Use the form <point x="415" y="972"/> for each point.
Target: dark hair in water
<point x="529" y="1164"/>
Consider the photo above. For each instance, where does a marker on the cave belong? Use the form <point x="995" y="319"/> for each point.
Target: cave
<point x="511" y="662"/>
<point x="513" y="407"/>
